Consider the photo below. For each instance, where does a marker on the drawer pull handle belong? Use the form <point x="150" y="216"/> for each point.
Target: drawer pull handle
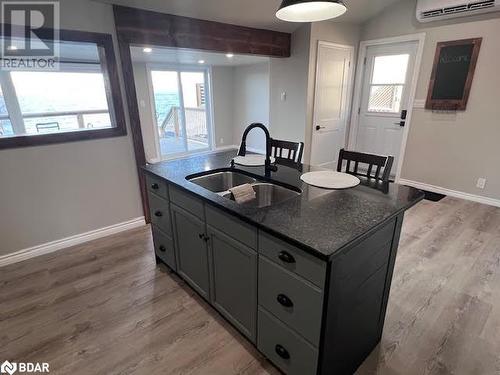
<point x="286" y="257"/>
<point x="155" y="186"/>
<point x="282" y="352"/>
<point x="158" y="214"/>
<point x="284" y="300"/>
<point x="163" y="248"/>
<point x="204" y="237"/>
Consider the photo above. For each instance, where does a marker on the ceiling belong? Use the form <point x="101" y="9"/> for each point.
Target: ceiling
<point x="191" y="57"/>
<point x="252" y="13"/>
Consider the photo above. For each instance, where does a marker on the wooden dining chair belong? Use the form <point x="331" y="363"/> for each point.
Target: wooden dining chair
<point x="286" y="152"/>
<point x="371" y="166"/>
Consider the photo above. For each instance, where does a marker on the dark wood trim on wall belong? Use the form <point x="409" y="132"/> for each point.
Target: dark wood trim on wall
<point x="143" y="27"/>
<point x="135" y="121"/>
<point x="137" y="26"/>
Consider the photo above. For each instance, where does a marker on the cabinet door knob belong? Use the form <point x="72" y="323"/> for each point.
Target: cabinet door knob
<point x="162" y="248"/>
<point x="282" y="352"/>
<point x="155" y="186"/>
<point x="284" y="300"/>
<point x="286" y="257"/>
<point x="158" y="214"/>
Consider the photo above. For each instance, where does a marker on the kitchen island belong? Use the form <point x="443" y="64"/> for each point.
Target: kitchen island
<point x="306" y="279"/>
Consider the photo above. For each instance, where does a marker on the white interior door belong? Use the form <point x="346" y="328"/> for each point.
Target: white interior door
<point x="333" y="74"/>
<point x="387" y="78"/>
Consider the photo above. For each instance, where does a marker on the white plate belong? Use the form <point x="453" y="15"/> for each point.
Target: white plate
<point x="330" y="179"/>
<point x="252" y="160"/>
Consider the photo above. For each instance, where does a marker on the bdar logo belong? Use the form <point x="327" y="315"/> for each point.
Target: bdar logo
<point x="8" y="368"/>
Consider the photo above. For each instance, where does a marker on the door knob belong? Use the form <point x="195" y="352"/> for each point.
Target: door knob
<point x="320" y="127"/>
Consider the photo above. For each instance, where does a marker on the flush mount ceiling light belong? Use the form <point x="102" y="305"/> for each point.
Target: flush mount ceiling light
<point x="147" y="50"/>
<point x="229" y="55"/>
<point x="201" y="61"/>
<point x="310" y="10"/>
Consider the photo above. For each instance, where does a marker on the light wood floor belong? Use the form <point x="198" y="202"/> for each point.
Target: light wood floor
<point x="105" y="308"/>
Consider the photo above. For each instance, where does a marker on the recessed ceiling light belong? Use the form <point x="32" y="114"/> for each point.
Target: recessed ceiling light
<point x="201" y="61"/>
<point x="12" y="48"/>
<point x="310" y="10"/>
<point x="229" y="55"/>
<point x="147" y="50"/>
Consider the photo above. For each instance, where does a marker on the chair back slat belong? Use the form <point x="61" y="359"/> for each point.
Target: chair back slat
<point x="371" y="161"/>
<point x="286" y="152"/>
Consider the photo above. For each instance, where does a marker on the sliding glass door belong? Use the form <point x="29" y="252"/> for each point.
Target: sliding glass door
<point x="181" y="102"/>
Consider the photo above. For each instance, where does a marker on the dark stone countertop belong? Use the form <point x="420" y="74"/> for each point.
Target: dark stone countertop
<point x="320" y="221"/>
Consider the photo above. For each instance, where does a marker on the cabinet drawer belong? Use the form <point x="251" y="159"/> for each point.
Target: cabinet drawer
<point x="187" y="202"/>
<point x="293" y="259"/>
<point x="157" y="185"/>
<point x="232" y="226"/>
<point x="293" y="300"/>
<point x="160" y="213"/>
<point x="164" y="247"/>
<point x="292" y="354"/>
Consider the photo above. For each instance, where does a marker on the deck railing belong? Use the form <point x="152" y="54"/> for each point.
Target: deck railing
<point x="196" y="122"/>
<point x="29" y="125"/>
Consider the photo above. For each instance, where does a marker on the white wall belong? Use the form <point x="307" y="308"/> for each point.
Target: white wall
<point x="451" y="150"/>
<point x="290" y="75"/>
<point x="55" y="191"/>
<point x="251" y="103"/>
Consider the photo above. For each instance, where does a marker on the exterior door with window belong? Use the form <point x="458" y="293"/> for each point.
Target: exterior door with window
<point x="182" y="111"/>
<point x="385" y="98"/>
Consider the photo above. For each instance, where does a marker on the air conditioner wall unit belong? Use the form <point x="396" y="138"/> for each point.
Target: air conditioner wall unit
<point x="436" y="10"/>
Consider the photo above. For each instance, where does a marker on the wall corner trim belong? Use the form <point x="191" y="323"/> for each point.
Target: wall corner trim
<point x="451" y="193"/>
<point x="64" y="243"/>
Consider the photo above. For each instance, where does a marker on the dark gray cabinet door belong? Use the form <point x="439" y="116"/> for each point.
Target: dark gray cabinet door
<point x="191" y="250"/>
<point x="234" y="281"/>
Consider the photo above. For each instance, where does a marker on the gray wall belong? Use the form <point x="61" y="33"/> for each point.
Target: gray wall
<point x="292" y="119"/>
<point x="222" y="89"/>
<point x="451" y="150"/>
<point x="287" y="119"/>
<point x="251" y="102"/>
<point x="52" y="192"/>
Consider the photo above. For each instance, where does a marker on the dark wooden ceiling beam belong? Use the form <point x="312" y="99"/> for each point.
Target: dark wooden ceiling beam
<point x="137" y="26"/>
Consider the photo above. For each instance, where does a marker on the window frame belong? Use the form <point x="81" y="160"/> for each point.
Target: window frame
<point x="104" y="43"/>
<point x="207" y="72"/>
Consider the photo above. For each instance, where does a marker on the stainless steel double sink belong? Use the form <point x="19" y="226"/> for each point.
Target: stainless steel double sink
<point x="267" y="193"/>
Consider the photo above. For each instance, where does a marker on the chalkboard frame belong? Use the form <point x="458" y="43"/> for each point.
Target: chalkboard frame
<point x="447" y="104"/>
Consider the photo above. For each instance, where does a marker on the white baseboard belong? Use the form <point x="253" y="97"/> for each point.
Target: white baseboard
<point x="451" y="193"/>
<point x="63" y="243"/>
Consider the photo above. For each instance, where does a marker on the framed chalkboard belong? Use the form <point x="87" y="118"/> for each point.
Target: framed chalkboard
<point x="452" y="74"/>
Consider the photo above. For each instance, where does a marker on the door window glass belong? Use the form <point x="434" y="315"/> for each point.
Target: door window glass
<point x="387" y="83"/>
<point x="180" y="99"/>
